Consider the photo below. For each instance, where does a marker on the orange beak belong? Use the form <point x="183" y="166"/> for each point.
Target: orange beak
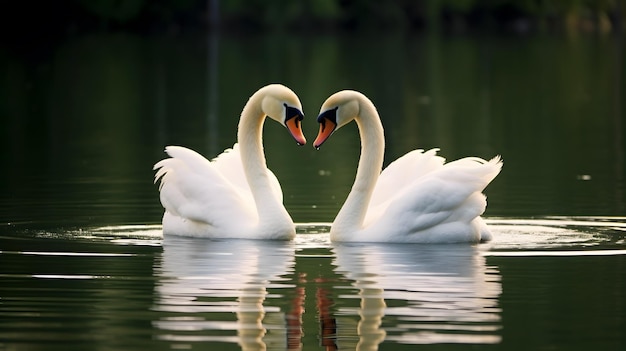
<point x="327" y="127"/>
<point x="294" y="126"/>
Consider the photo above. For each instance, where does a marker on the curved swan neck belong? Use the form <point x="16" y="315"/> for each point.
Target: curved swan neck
<point x="371" y="131"/>
<point x="250" y="139"/>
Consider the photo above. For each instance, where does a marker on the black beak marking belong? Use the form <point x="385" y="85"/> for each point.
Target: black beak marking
<point x="292" y="112"/>
<point x="330" y="115"/>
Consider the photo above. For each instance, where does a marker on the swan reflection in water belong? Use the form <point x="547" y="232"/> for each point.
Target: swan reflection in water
<point x="422" y="294"/>
<point x="217" y="291"/>
<point x="201" y="282"/>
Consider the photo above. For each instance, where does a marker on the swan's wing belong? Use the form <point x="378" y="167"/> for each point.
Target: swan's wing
<point x="196" y="189"/>
<point x="403" y="172"/>
<point x="449" y="194"/>
<point x="229" y="164"/>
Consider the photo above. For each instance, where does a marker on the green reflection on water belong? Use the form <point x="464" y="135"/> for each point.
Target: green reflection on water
<point x="84" y="121"/>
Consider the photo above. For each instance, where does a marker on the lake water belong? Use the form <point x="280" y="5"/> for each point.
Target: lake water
<point x="83" y="264"/>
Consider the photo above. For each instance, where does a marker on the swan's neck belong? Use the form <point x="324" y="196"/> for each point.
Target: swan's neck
<point x="250" y="139"/>
<point x="352" y="214"/>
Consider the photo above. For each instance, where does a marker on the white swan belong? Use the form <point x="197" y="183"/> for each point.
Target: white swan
<point x="234" y="195"/>
<point x="417" y="198"/>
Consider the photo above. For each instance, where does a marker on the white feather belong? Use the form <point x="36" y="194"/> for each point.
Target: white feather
<point x="225" y="198"/>
<point x="441" y="205"/>
<point x="417" y="198"/>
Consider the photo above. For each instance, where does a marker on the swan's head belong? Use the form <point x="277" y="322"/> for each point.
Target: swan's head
<point x="338" y="110"/>
<point x="282" y="105"/>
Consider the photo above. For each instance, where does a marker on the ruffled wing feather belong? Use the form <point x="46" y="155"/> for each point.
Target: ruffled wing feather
<point x="208" y="192"/>
<point x="404" y="171"/>
<point x="443" y="202"/>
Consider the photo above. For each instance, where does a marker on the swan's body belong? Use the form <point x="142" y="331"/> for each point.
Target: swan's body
<point x="417" y="198"/>
<point x="234" y="195"/>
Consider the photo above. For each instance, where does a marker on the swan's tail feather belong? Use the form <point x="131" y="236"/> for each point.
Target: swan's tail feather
<point x="495" y="164"/>
<point x="477" y="170"/>
<point x="180" y="157"/>
<point x="164" y="167"/>
<point x="193" y="160"/>
<point x="160" y="168"/>
<point x="497" y="160"/>
<point x="187" y="184"/>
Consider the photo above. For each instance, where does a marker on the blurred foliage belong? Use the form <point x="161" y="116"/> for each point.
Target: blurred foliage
<point x="520" y="15"/>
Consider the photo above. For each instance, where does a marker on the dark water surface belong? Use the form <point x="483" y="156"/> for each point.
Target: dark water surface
<point x="83" y="264"/>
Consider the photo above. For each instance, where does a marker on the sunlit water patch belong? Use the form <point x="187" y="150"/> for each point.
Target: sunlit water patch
<point x="125" y="234"/>
<point x="573" y="234"/>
